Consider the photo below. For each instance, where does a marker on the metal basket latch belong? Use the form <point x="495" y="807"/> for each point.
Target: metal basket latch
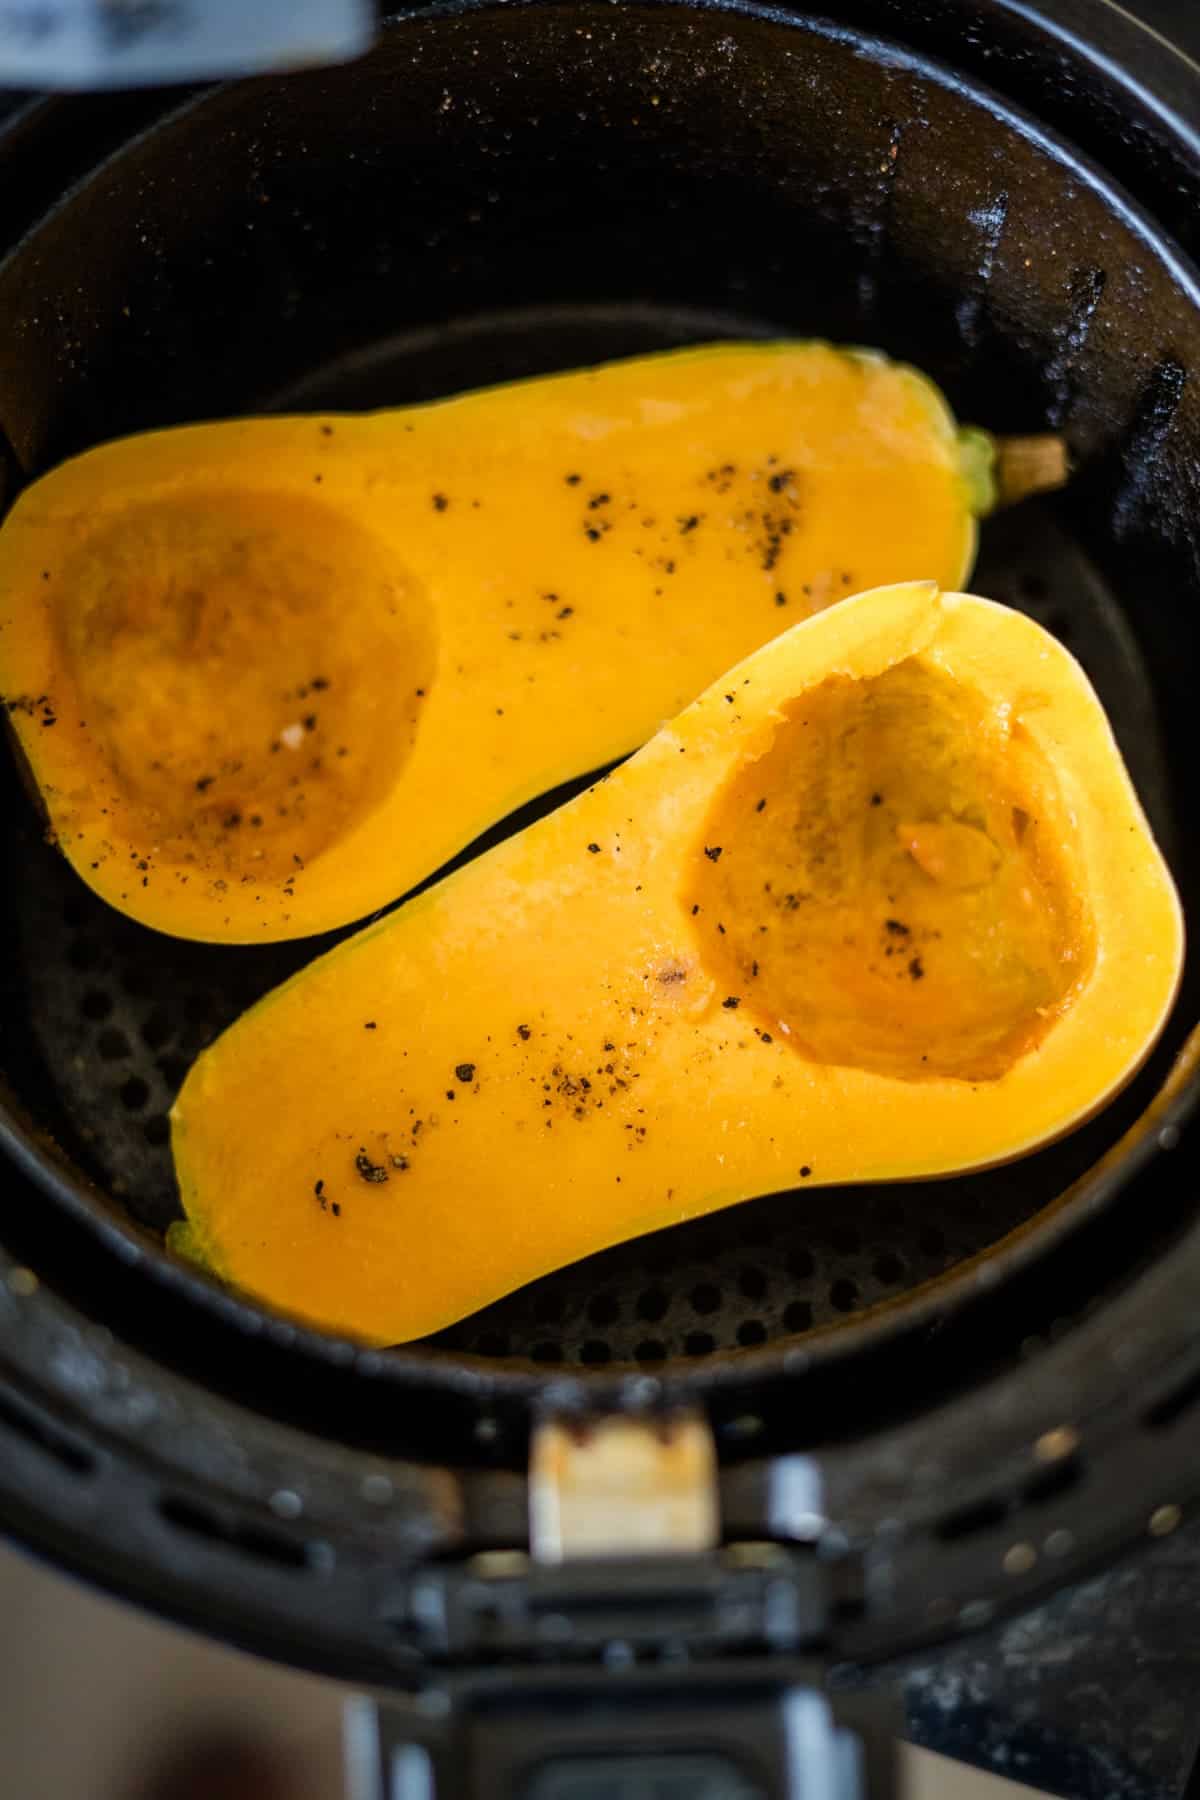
<point x="622" y="1486"/>
<point x="631" y="1654"/>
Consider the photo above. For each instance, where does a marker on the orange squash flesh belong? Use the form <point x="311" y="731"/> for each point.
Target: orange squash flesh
<point x="270" y="674"/>
<point x="880" y="904"/>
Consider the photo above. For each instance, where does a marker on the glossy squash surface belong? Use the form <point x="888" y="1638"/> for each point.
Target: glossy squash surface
<point x="880" y="904"/>
<point x="270" y="674"/>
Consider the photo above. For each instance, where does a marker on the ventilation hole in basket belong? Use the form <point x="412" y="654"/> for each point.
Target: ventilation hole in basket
<point x="157" y="1130"/>
<point x="699" y="1343"/>
<point x="113" y="1044"/>
<point x="172" y="1069"/>
<point x="797" y="1316"/>
<point x="801" y="1264"/>
<point x="932" y="1241"/>
<point x="652" y="1305"/>
<point x="136" y="982"/>
<point x="548" y="1307"/>
<point x="595" y="1352"/>
<point x="705" y="1298"/>
<point x="74" y="913"/>
<point x="492" y="1343"/>
<point x="888" y="1269"/>
<point x="15" y="1416"/>
<point x="603" y="1310"/>
<point x="650" y="1350"/>
<point x="843" y="1295"/>
<point x="156" y="1030"/>
<point x="752" y="1283"/>
<point x="96" y="1004"/>
<point x="845" y="1240"/>
<point x="893" y="1215"/>
<point x="84" y="955"/>
<point x="750" y="1332"/>
<point x="750" y="1226"/>
<point x="134" y="1094"/>
<point x="199" y="1521"/>
<point x="547" y="1351"/>
<point x="197" y="1007"/>
<point x="1032" y="587"/>
<point x="710" y="1239"/>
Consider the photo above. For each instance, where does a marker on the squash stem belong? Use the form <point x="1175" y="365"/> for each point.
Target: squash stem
<point x="1029" y="465"/>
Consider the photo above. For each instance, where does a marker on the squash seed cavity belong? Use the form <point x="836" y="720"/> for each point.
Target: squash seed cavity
<point x="899" y="886"/>
<point x="254" y="667"/>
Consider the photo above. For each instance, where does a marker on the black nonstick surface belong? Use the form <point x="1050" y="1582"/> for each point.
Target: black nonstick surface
<point x="496" y="192"/>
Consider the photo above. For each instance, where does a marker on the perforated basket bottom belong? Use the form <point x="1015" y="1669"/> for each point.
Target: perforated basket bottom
<point x="117" y="1012"/>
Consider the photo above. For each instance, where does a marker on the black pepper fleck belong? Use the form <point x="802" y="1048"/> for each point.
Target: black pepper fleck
<point x="368" y="1170"/>
<point x="440" y="503"/>
<point x="713" y="852"/>
<point x="465" y="1071"/>
<point x="731" y="1003"/>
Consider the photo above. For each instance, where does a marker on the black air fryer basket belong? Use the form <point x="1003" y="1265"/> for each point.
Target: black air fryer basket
<point x="928" y="1403"/>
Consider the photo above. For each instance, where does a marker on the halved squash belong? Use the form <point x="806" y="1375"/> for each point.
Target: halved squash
<point x="881" y="904"/>
<point x="270" y="674"/>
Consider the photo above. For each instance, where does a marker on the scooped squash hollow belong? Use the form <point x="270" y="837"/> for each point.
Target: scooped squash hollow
<point x="270" y="674"/>
<point x="880" y="904"/>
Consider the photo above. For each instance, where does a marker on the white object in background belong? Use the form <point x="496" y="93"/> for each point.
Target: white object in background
<point x="82" y="44"/>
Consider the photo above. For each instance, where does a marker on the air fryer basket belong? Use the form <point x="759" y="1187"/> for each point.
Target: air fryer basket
<point x="499" y="191"/>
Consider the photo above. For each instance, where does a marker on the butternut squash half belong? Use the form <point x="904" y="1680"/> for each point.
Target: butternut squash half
<point x="270" y="674"/>
<point x="881" y="904"/>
